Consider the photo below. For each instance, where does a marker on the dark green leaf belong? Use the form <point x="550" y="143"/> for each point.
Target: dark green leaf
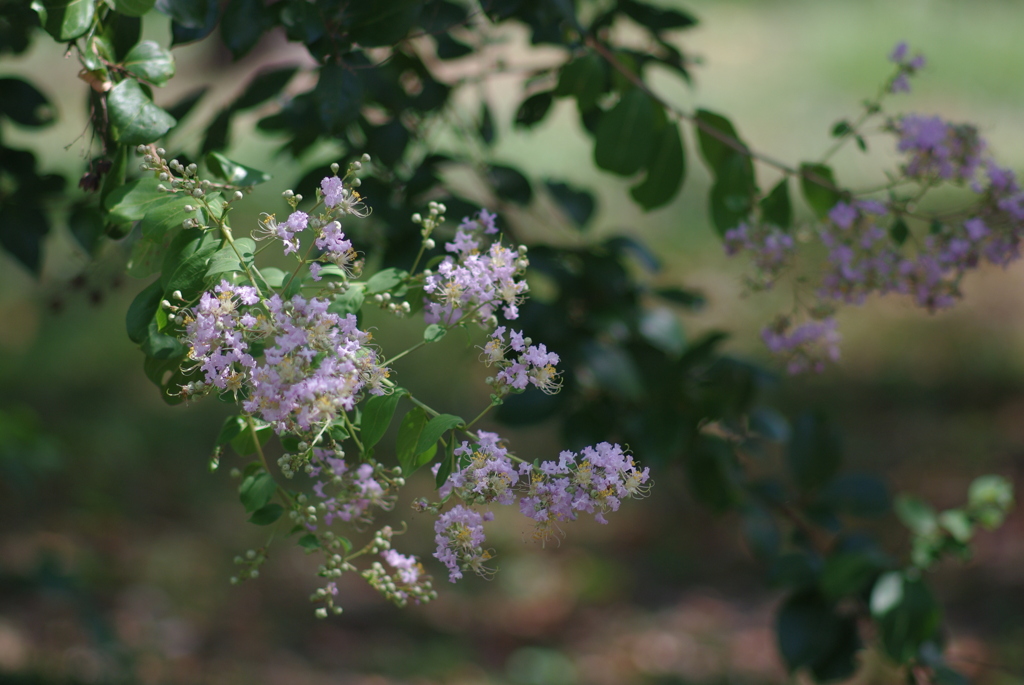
<point x="190" y="275"/>
<point x="486" y="124"/>
<point x="65" y="20"/>
<point x="264" y="86"/>
<point x="626" y="133"/>
<point x="309" y="541"/>
<point x="234" y="173"/>
<point x="266" y="514"/>
<point x="22" y="229"/>
<point x="243" y="24"/>
<point x="899" y="231"/>
<point x="244" y="444"/>
<point x="857" y="494"/>
<point x="533" y="109"/>
<point x="655" y="18"/>
<point x="192" y="19"/>
<point x="142" y="310"/>
<point x="132" y="201"/>
<point x="25" y="105"/>
<point x="614" y="370"/>
<point x="133" y="8"/>
<point x="133" y="116"/>
<point x="256" y="491"/>
<point x="713" y="474"/>
<point x="688" y="299"/>
<point x="232" y="427"/>
<point x="377" y="24"/>
<point x="163" y="217"/>
<point x="226" y="260"/>
<point x="409" y="432"/>
<point x="849" y="573"/>
<point x="217" y="132"/>
<point x="447" y="463"/>
<point x="377" y="415"/>
<point x="761" y="532"/>
<point x="510" y="184"/>
<point x="586" y="78"/>
<point x="339" y="97"/>
<point x="578" y="204"/>
<point x="150" y="62"/>
<point x="182" y="107"/>
<point x="776" y="208"/>
<point x="723" y="151"/>
<point x="812" y="635"/>
<point x="86" y="225"/>
<point x="114" y="178"/>
<point x="906" y="615"/>
<point x="841" y="128"/>
<point x="731" y="200"/>
<point x="797" y="570"/>
<point x="815" y="451"/>
<point x="350" y="302"/>
<point x="665" y="170"/>
<point x="819" y="188"/>
<point x="434" y="429"/>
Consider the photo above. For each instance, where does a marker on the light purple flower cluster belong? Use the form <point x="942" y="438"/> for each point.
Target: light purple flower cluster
<point x="474" y="283"/>
<point x="534" y="365"/>
<point x="337" y="249"/>
<point x="771" y="248"/>
<point x="597" y="483"/>
<point x="215" y="333"/>
<point x="286" y="231"/>
<point x="408" y="582"/>
<point x="348" y="494"/>
<point x="460" y="538"/>
<point x="344" y="199"/>
<point x="805" y="346"/>
<point x="489" y="476"/>
<point x="938" y="149"/>
<point x="861" y="258"/>
<point x="907" y="67"/>
<point x="314" y="367"/>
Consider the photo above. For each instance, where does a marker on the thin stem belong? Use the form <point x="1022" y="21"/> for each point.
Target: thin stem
<point x="352" y="432"/>
<point x="263" y="460"/>
<point x="479" y="416"/>
<point x="402" y="354"/>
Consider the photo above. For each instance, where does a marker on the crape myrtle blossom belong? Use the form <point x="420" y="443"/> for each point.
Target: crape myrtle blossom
<point x="473" y="281"/>
<point x="349" y="492"/>
<point x="907" y="67"/>
<point x="408" y="581"/>
<point x="460" y="538"/>
<point x="938" y="149"/>
<point x="771" y="248"/>
<point x="315" y="363"/>
<point x="806" y="346"/>
<point x="488" y="477"/>
<point x="534" y="365"/>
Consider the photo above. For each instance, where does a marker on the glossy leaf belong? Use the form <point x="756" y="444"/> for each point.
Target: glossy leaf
<point x="142" y="310"/>
<point x="234" y="173"/>
<point x="533" y="109"/>
<point x="626" y="134"/>
<point x="385" y="280"/>
<point x="665" y="170"/>
<point x="230" y="429"/>
<point x="133" y="116"/>
<point x="433" y="333"/>
<point x="150" y="62"/>
<point x="244" y="444"/>
<point x="65" y="20"/>
<point x="377" y="415"/>
<point x="720" y="145"/>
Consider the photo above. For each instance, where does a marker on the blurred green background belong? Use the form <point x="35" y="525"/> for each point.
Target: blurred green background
<point x="116" y="541"/>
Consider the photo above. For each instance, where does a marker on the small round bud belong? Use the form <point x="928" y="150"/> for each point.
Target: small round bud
<point x="356" y="183"/>
<point x="198" y="192"/>
<point x="189" y="208"/>
<point x="288" y="194"/>
<point x="365" y="158"/>
<point x="238" y="195"/>
<point x="177" y="295"/>
<point x="441" y="208"/>
<point x="429" y="243"/>
<point x="298" y="198"/>
<point x="417" y="218"/>
<point x="160" y="151"/>
<point x="141" y="149"/>
<point x="321" y="612"/>
<point x="334" y="167"/>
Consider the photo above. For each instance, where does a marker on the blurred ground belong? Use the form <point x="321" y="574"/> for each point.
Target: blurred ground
<point x="116" y="541"/>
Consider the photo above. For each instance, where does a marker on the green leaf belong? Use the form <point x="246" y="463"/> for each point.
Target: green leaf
<point x="409" y="432"/>
<point x="65" y="20"/>
<point x="857" y="494"/>
<point x="815" y="451"/>
<point x="761" y="532"/>
<point x="377" y="415"/>
<point x="887" y="593"/>
<point x="244" y="444"/>
<point x="510" y="184"/>
<point x="385" y="279"/>
<point x="25" y="105"/>
<point x="234" y="173"/>
<point x="916" y="515"/>
<point x="132" y="201"/>
<point x="435" y="428"/>
<point x="231" y="428"/>
<point x="133" y="116"/>
<point x="776" y="208"/>
<point x="243" y="24"/>
<point x="578" y="204"/>
<point x="665" y="170"/>
<point x="349" y="302"/>
<point x="164" y="216"/>
<point x="958" y="524"/>
<point x="434" y="332"/>
<point x="533" y="109"/>
<point x="142" y="310"/>
<point x="309" y="541"/>
<point x="447" y="464"/>
<point x="626" y="134"/>
<point x="656" y="19"/>
<point x="713" y="474"/>
<point x="256" y="491"/>
<point x="150" y="62"/>
<point x="899" y="232"/>
<point x="339" y="97"/>
<point x="848" y="573"/>
<point x="812" y="635"/>
<point x="660" y="327"/>
<point x="86" y="225"/>
<point x="133" y="8"/>
<point x="586" y="78"/>
<point x="818" y="185"/>
<point x="721" y="147"/>
<point x="226" y="260"/>
<point x="906" y="615"/>
<point x="190" y="275"/>
<point x="266" y="514"/>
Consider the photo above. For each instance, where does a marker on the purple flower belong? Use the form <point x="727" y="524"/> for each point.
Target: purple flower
<point x="805" y="346"/>
<point x="460" y="538"/>
<point x="898" y="53"/>
<point x="843" y="215"/>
